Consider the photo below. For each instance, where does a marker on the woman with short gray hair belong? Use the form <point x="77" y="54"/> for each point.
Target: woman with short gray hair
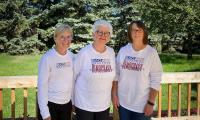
<point x="55" y="78"/>
<point x="94" y="71"/>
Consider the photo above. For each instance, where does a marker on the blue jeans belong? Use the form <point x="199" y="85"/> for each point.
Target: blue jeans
<point x="125" y="114"/>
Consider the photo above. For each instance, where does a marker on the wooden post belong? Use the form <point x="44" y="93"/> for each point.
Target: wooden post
<point x="198" y="99"/>
<point x="25" y="103"/>
<point x="160" y="102"/>
<point x="37" y="107"/>
<point x="1" y="104"/>
<point x="179" y="99"/>
<point x="189" y="99"/>
<point x="13" y="103"/>
<point x="115" y="114"/>
<point x="169" y="99"/>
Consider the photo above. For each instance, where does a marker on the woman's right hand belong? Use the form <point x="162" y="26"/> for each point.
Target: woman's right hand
<point x="49" y="118"/>
<point x="115" y="101"/>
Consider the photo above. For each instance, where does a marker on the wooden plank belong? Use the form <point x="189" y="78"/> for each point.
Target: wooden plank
<point x="1" y="104"/>
<point x="179" y="99"/>
<point x="180" y="77"/>
<point x="18" y="81"/>
<point x="189" y="99"/>
<point x="169" y="99"/>
<point x="31" y="81"/>
<point x="178" y="118"/>
<point x="160" y="102"/>
<point x="198" y="99"/>
<point x="25" y="103"/>
<point x="13" y="103"/>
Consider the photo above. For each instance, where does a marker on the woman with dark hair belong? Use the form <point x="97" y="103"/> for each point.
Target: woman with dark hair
<point x="138" y="78"/>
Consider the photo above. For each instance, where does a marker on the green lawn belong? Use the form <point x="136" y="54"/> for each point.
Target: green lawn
<point x="27" y="65"/>
<point x="18" y="65"/>
<point x="179" y="63"/>
<point x="13" y="66"/>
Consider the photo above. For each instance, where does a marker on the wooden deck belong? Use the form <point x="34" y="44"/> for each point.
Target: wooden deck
<point x="178" y="118"/>
<point x="179" y="78"/>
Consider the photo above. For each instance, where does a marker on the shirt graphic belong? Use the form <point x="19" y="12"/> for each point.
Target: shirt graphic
<point x="133" y="63"/>
<point x="62" y="65"/>
<point x="101" y="65"/>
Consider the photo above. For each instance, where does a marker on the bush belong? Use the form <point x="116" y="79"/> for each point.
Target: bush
<point x="25" y="45"/>
<point x="3" y="41"/>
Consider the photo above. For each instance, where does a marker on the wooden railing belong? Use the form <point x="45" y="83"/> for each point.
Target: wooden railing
<point x="15" y="82"/>
<point x="177" y="78"/>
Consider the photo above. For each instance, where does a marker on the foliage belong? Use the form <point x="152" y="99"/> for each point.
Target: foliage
<point x="24" y="46"/>
<point x="3" y="41"/>
<point x="170" y="22"/>
<point x="172" y="18"/>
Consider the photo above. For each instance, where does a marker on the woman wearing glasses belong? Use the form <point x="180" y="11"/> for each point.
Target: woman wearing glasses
<point x="55" y="78"/>
<point x="138" y="76"/>
<point x="94" y="70"/>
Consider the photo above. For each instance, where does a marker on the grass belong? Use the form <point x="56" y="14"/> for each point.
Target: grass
<point x="27" y="65"/>
<point x="14" y="66"/>
<point x="180" y="63"/>
<point x="18" y="65"/>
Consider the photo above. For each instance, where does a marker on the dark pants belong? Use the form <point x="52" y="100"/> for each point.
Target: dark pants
<point x="125" y="114"/>
<point x="58" y="111"/>
<point x="87" y="115"/>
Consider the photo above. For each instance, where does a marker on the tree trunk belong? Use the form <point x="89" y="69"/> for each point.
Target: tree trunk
<point x="189" y="42"/>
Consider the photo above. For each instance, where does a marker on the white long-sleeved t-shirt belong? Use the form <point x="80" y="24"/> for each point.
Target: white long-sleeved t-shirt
<point x="55" y="79"/>
<point x="94" y="73"/>
<point x="137" y="72"/>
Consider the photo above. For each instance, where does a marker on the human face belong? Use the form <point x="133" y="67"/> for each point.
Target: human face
<point x="137" y="33"/>
<point x="63" y="40"/>
<point x="102" y="35"/>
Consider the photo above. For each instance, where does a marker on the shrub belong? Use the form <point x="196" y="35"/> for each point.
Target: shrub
<point x="25" y="45"/>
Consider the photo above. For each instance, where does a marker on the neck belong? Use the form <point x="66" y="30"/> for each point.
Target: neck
<point x="61" y="51"/>
<point x="138" y="46"/>
<point x="98" y="47"/>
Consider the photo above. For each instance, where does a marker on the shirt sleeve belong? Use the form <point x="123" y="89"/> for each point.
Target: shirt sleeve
<point x="76" y="68"/>
<point x="114" y="64"/>
<point x="117" y="67"/>
<point x="43" y="75"/>
<point x="78" y="62"/>
<point x="155" y="72"/>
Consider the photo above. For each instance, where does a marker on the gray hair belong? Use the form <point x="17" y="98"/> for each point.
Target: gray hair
<point x="60" y="28"/>
<point x="100" y="23"/>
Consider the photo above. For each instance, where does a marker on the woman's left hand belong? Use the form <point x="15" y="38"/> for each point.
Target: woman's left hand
<point x="148" y="110"/>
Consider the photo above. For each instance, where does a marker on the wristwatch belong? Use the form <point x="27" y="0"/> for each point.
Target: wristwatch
<point x="150" y="103"/>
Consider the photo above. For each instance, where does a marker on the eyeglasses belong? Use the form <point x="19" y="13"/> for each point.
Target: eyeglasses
<point x="101" y="33"/>
<point x="69" y="37"/>
<point x="137" y="30"/>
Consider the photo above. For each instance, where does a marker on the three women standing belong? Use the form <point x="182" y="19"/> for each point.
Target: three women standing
<point x="137" y="80"/>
